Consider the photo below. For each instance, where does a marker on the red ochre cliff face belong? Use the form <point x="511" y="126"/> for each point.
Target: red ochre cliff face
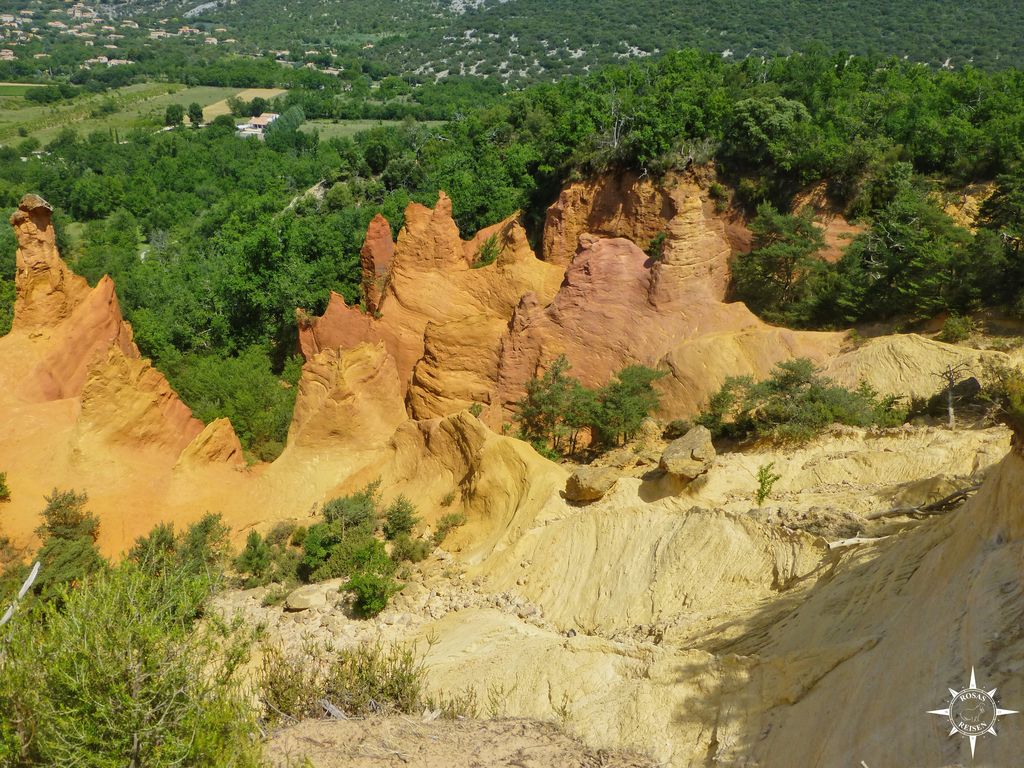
<point x="440" y="332"/>
<point x="461" y="335"/>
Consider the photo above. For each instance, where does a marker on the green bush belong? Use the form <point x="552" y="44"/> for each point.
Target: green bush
<point x="794" y="403"/>
<point x="407" y="548"/>
<point x="766" y="480"/>
<point x="488" y="253"/>
<point x="399" y="518"/>
<point x="372" y="592"/>
<point x="255" y="560"/>
<point x="281" y="533"/>
<point x="118" y="672"/>
<point x="557" y="408"/>
<point x="957" y="328"/>
<point x="205" y="545"/>
<point x="657" y="247"/>
<point x="358" y="511"/>
<point x="68" y="552"/>
<point x="5" y="492"/>
<point x="354" y="554"/>
<point x="446" y="525"/>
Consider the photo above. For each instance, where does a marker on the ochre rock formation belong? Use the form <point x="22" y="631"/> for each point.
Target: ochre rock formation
<point x="216" y="444"/>
<point x="58" y="307"/>
<point x="616" y="308"/>
<point x="698" y="238"/>
<point x="430" y="281"/>
<point x="836" y="228"/>
<point x="375" y="259"/>
<point x="128" y="402"/>
<point x="908" y="365"/>
<point x="80" y="409"/>
<point x="47" y="291"/>
<point x="345" y="396"/>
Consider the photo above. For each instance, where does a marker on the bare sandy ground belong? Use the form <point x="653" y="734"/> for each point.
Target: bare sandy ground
<point x="412" y="743"/>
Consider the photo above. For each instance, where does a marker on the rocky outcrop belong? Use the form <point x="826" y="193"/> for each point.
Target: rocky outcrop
<point x="47" y="291"/>
<point x="347" y="396"/>
<point x="690" y="456"/>
<point x="75" y="323"/>
<point x="587" y="483"/>
<point x="616" y="309"/>
<point x="836" y="229"/>
<point x="698" y="238"/>
<point x="216" y="444"/>
<point x="375" y="259"/>
<point x="94" y="326"/>
<point x="431" y="283"/>
<point x="129" y="403"/>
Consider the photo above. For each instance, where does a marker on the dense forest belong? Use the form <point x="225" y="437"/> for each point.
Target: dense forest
<point x="523" y="40"/>
<point x="214" y="241"/>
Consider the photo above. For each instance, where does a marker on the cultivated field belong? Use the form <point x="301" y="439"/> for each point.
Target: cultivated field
<point x="121" y="110"/>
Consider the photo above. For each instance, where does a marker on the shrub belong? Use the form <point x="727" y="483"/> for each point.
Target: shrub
<point x="766" y="480"/>
<point x="488" y="253"/>
<point x="657" y="247"/>
<point x="205" y="545"/>
<point x="255" y="560"/>
<point x="5" y="492"/>
<point x="446" y="525"/>
<point x="158" y="546"/>
<point x="120" y="673"/>
<point x="356" y="511"/>
<point x="281" y="533"/>
<point x="355" y="554"/>
<point x="317" y="546"/>
<point x="407" y="548"/>
<point x="794" y="403"/>
<point x="68" y="553"/>
<point x="625" y="402"/>
<point x="957" y="328"/>
<point x="557" y="408"/>
<point x="372" y="592"/>
<point x="357" y="681"/>
<point x="449" y="499"/>
<point x="399" y="518"/>
<point x="298" y="536"/>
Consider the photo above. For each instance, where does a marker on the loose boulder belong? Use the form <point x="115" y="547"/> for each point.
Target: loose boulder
<point x="690" y="456"/>
<point x="304" y="598"/>
<point x="588" y="484"/>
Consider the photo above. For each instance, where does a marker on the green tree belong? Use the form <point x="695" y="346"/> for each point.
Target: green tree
<point x="174" y="115"/>
<point x="781" y="277"/>
<point x="68" y="552"/>
<point x="195" y="114"/>
<point x="626" y="401"/>
<point x="541" y="413"/>
<point x="399" y="518"/>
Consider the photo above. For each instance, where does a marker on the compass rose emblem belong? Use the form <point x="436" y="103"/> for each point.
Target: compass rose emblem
<point x="972" y="712"/>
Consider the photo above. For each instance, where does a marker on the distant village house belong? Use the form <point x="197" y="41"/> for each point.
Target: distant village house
<point x="257" y="126"/>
